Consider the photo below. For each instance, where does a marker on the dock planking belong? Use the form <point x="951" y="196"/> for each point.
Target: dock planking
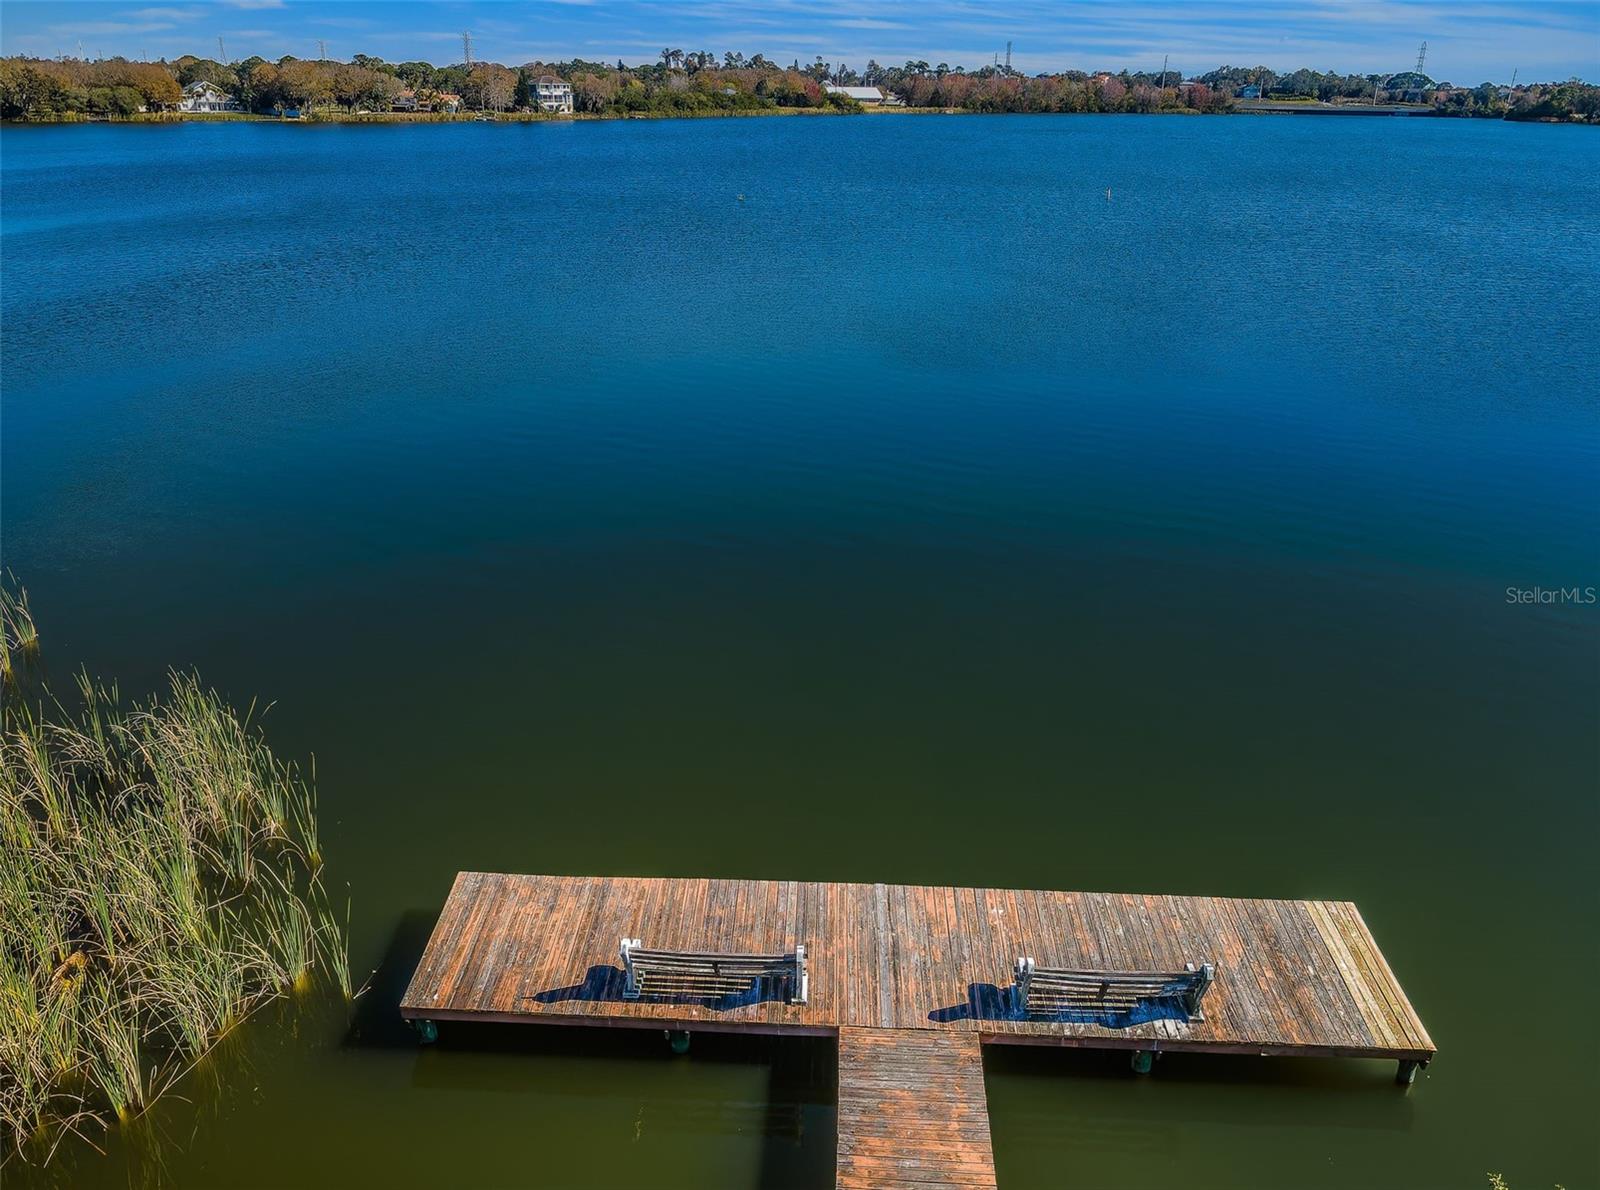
<point x="913" y="981"/>
<point x="912" y="1110"/>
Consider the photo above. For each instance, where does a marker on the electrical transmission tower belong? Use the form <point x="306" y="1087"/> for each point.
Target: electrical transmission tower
<point x="322" y="50"/>
<point x="466" y="47"/>
<point x="1008" y="57"/>
<point x="222" y="51"/>
<point x="1422" y="56"/>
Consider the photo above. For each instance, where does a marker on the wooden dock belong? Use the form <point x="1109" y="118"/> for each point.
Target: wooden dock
<point x="914" y="980"/>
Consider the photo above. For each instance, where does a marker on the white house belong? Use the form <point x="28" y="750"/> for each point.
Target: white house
<point x="867" y="95"/>
<point x="553" y="95"/>
<point x="207" y="97"/>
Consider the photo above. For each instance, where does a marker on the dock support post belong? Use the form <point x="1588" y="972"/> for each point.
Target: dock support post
<point x="427" y="1031"/>
<point x="678" y="1039"/>
<point x="1407" y="1073"/>
<point x="1143" y="1060"/>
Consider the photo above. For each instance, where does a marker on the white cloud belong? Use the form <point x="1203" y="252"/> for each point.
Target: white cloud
<point x="108" y="28"/>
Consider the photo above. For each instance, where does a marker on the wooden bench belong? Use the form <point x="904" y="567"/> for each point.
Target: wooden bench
<point x="1046" y="991"/>
<point x="690" y="975"/>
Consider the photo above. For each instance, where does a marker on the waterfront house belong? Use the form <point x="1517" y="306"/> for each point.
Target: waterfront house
<point x="553" y="95"/>
<point x="871" y="96"/>
<point x="1250" y="92"/>
<point x="202" y="96"/>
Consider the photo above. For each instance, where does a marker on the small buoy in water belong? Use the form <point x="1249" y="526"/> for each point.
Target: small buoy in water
<point x="741" y="198"/>
<point x="1108" y="193"/>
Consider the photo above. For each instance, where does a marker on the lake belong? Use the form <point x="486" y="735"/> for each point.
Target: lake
<point x="1110" y="503"/>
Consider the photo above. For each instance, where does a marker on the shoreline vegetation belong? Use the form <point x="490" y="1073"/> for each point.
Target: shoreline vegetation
<point x="370" y="90"/>
<point x="161" y="879"/>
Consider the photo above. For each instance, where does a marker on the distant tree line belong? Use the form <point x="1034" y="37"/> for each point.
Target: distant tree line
<point x="35" y="87"/>
<point x="685" y="82"/>
<point x="1571" y="100"/>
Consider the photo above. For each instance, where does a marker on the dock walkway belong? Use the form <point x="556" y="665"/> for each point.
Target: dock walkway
<point x="931" y="963"/>
<point x="912" y="1110"/>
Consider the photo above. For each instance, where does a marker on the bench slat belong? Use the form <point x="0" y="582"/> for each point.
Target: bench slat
<point x="711" y="957"/>
<point x="716" y="965"/>
<point x="1054" y="989"/>
<point x="710" y="975"/>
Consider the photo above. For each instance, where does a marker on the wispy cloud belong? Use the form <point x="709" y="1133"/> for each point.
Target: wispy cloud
<point x="109" y="28"/>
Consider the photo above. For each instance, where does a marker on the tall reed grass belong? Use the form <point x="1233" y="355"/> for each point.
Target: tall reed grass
<point x="160" y="878"/>
<point x="19" y="637"/>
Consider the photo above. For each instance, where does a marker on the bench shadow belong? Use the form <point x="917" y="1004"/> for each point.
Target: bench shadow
<point x="987" y="1002"/>
<point x="605" y="985"/>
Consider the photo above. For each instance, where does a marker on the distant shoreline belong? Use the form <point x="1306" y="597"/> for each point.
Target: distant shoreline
<point x="336" y="117"/>
<point x="1264" y="107"/>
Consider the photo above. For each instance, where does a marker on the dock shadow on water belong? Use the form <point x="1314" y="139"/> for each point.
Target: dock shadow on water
<point x="988" y="1002"/>
<point x="652" y="1110"/>
<point x="376" y="1022"/>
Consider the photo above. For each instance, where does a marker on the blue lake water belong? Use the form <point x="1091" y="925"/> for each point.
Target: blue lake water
<point x="1109" y="503"/>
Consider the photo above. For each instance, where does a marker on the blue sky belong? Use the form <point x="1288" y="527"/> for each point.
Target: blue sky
<point x="1467" y="42"/>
